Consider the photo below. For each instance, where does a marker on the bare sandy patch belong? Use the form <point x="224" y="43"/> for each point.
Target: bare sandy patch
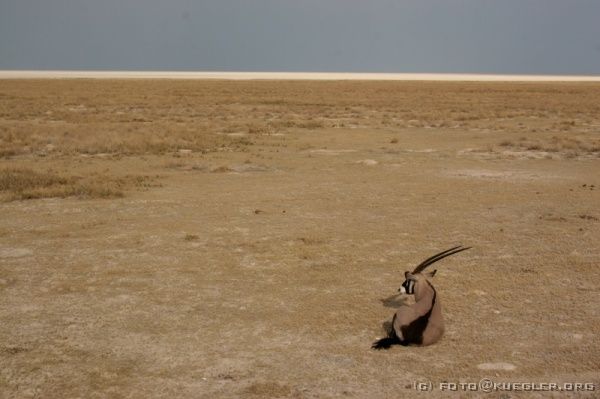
<point x="500" y="175"/>
<point x="323" y="151"/>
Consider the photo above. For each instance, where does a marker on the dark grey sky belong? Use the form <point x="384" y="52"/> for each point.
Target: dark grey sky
<point x="470" y="36"/>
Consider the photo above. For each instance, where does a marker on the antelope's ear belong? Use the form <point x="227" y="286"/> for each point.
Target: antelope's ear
<point x="431" y="274"/>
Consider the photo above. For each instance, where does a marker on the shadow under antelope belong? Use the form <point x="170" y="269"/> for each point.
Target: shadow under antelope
<point x="421" y="323"/>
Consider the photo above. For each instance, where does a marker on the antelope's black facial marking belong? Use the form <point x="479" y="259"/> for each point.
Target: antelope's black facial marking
<point x="409" y="286"/>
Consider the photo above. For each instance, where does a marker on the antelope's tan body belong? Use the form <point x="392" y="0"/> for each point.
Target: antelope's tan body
<point x="421" y="323"/>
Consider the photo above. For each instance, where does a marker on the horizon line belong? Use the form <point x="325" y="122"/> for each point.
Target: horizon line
<point x="242" y="75"/>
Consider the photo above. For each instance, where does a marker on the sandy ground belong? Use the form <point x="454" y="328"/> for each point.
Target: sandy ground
<point x="267" y="270"/>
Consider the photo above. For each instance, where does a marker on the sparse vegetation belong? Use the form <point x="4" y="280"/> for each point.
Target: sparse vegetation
<point x="567" y="146"/>
<point x="21" y="183"/>
<point x="160" y="117"/>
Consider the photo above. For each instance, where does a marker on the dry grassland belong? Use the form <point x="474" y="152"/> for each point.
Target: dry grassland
<point x="239" y="239"/>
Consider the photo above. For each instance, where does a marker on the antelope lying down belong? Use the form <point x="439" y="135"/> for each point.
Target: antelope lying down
<point x="421" y="323"/>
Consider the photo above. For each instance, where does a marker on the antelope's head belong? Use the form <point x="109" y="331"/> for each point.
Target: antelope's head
<point x="414" y="280"/>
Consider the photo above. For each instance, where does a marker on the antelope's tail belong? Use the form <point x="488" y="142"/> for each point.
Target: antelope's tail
<point x="385" y="343"/>
<point x="391" y="339"/>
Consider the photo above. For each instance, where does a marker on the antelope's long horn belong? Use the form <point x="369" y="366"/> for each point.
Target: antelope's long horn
<point x="432" y="259"/>
<point x="439" y="256"/>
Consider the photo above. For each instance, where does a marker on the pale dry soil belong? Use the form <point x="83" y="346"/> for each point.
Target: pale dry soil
<point x="267" y="267"/>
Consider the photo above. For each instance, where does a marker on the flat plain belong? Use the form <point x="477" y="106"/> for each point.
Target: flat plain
<point x="246" y="239"/>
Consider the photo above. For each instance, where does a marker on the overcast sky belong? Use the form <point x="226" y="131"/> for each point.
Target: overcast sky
<point x="453" y="36"/>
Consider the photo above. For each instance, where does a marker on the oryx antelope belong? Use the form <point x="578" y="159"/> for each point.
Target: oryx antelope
<point x="421" y="323"/>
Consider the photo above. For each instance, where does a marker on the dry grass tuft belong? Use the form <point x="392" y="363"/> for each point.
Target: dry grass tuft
<point x="222" y="169"/>
<point x="569" y="147"/>
<point x="21" y="179"/>
<point x="312" y="240"/>
<point x="269" y="389"/>
<point x="258" y="128"/>
<point x="19" y="183"/>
